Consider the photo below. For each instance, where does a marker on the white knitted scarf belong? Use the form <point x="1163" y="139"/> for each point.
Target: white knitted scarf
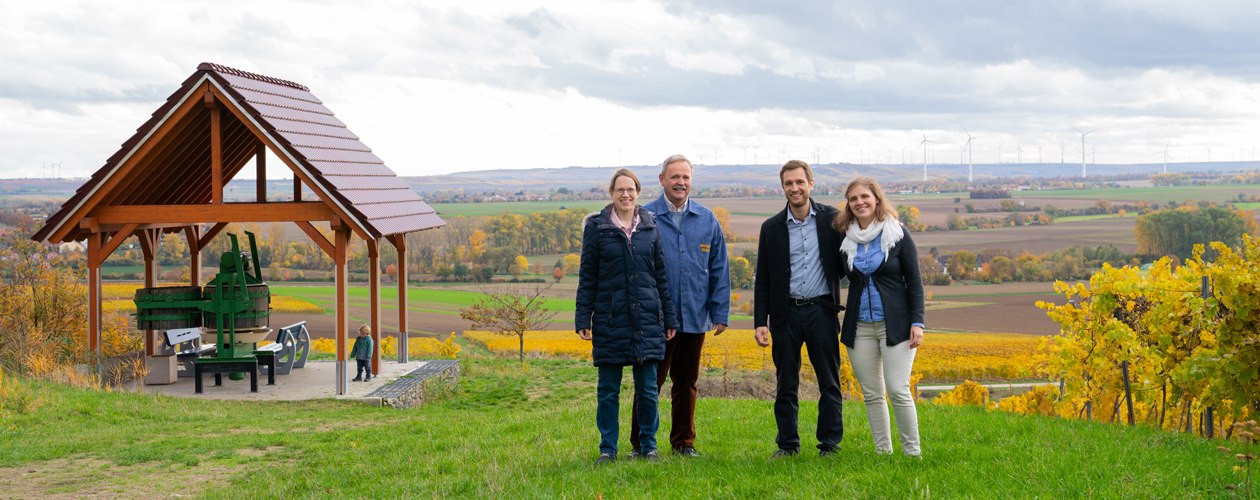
<point x="890" y="229"/>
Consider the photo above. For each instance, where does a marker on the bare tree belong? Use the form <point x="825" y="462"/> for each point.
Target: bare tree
<point x="508" y="312"/>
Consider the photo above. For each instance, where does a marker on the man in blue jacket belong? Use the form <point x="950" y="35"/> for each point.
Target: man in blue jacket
<point x="700" y="287"/>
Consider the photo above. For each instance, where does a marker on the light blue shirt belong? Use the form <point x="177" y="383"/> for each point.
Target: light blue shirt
<point x="868" y="259"/>
<point x="807" y="272"/>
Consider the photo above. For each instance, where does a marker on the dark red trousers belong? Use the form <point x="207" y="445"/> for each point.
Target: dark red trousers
<point x="682" y="366"/>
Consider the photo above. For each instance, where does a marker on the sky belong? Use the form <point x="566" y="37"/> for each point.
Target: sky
<point x="438" y="86"/>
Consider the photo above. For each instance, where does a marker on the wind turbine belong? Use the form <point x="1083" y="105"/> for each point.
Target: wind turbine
<point x="1166" y="157"/>
<point x="969" y="139"/>
<point x="1019" y="154"/>
<point x="1083" y="151"/>
<point x="924" y="143"/>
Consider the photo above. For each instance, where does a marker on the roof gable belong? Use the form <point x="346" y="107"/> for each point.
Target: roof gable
<point x="168" y="160"/>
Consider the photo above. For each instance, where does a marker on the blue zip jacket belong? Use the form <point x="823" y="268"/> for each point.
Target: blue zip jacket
<point x="696" y="265"/>
<point x="623" y="295"/>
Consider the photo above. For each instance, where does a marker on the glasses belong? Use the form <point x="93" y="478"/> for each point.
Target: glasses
<point x="621" y="191"/>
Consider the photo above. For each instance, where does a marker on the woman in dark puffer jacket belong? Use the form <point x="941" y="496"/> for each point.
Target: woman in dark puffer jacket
<point x="623" y="308"/>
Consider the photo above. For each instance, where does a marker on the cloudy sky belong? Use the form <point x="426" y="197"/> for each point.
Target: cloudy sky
<point x="443" y="86"/>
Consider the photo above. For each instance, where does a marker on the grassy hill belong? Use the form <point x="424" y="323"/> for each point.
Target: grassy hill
<point x="508" y="432"/>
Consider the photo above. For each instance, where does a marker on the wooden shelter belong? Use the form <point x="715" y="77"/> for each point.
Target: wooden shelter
<point x="169" y="177"/>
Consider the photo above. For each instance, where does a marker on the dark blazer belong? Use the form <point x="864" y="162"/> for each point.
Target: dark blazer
<point x="774" y="263"/>
<point x="900" y="288"/>
<point x="623" y="295"/>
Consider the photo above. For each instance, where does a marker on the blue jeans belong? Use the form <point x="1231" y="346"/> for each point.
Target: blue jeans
<point x="608" y="394"/>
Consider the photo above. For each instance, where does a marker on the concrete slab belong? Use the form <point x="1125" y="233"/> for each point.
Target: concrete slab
<point x="317" y="380"/>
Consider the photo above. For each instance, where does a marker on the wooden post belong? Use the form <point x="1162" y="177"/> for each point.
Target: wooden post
<point x="193" y="235"/>
<point x="148" y="246"/>
<point x="94" y="243"/>
<point x="1128" y="391"/>
<point x="297" y="188"/>
<point x="260" y="160"/>
<point x="400" y="243"/>
<point x="341" y="247"/>
<point x="374" y="301"/>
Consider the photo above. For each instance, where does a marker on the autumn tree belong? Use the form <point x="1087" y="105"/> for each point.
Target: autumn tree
<point x="520" y="265"/>
<point x="572" y="262"/>
<point x="909" y="216"/>
<point x="476" y="245"/>
<point x="724" y="221"/>
<point x="1176" y="232"/>
<point x="741" y="273"/>
<point x="507" y="312"/>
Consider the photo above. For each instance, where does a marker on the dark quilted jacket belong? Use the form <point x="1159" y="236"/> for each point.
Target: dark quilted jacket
<point x="623" y="295"/>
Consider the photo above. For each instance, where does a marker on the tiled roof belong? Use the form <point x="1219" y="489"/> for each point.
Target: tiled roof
<point x="174" y="168"/>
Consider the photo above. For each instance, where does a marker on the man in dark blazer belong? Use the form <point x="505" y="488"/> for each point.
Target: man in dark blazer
<point x="796" y="301"/>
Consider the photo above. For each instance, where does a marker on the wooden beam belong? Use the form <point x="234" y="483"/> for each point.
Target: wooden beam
<point x="227" y="212"/>
<point x="113" y="242"/>
<point x="210" y="234"/>
<point x="260" y="160"/>
<point x="340" y="260"/>
<point x="374" y="302"/>
<point x="114" y="228"/>
<point x="297" y="188"/>
<point x="216" y="151"/>
<point x="122" y="172"/>
<point x="90" y="224"/>
<point x="193" y="235"/>
<point x="400" y="243"/>
<point x="317" y="237"/>
<point x="148" y="244"/>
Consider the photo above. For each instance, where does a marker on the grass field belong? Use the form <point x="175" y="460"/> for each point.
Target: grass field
<point x="1080" y="218"/>
<point x="438" y="300"/>
<point x="512" y="431"/>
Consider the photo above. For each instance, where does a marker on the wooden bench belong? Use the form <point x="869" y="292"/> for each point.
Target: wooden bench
<point x="219" y="366"/>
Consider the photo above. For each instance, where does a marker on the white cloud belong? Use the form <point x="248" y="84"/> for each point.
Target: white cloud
<point x="448" y="85"/>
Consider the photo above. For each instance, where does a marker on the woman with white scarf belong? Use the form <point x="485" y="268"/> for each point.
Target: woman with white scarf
<point x="883" y="317"/>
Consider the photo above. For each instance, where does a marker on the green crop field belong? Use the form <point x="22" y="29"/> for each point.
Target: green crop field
<point x="514" y="207"/>
<point x="1161" y="194"/>
<point x="436" y="300"/>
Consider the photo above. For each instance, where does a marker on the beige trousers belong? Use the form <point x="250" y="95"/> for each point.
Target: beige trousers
<point x="881" y="368"/>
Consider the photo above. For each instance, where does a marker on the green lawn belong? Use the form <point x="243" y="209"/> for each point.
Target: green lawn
<point x="508" y="431"/>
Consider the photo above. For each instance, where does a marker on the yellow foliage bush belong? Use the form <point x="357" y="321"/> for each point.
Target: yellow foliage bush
<point x="1041" y="400"/>
<point x="968" y="393"/>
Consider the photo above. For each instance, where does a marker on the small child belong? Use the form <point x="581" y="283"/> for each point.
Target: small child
<point x="362" y="354"/>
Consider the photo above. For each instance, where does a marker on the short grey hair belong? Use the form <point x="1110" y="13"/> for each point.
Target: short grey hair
<point x="674" y="159"/>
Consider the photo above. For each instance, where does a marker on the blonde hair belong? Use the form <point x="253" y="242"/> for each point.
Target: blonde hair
<point x="365" y="329"/>
<point x="883" y="208"/>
